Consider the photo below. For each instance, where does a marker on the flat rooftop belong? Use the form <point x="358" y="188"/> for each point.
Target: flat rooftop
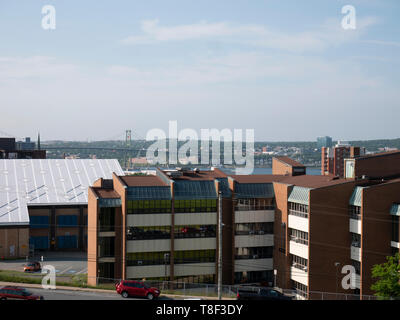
<point x="33" y="182"/>
<point x="143" y="181"/>
<point x="290" y="162"/>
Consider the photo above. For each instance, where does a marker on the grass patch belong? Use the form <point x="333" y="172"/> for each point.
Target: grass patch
<point x="79" y="281"/>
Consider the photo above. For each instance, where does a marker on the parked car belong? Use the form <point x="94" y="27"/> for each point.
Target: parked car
<point x="32" y="267"/>
<point x="132" y="288"/>
<point x="260" y="294"/>
<point x="17" y="293"/>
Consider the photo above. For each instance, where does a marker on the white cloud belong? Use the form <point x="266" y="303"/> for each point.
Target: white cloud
<point x="329" y="34"/>
<point x="14" y="68"/>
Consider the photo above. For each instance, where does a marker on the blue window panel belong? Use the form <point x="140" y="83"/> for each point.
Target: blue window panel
<point x="67" y="221"/>
<point x="37" y="222"/>
<point x="39" y="242"/>
<point x="67" y="242"/>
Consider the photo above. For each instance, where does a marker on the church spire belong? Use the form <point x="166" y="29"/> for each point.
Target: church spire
<point x="38" y="141"/>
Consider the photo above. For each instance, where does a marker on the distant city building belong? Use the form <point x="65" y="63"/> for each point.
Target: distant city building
<point x="140" y="160"/>
<point x="332" y="159"/>
<point x="71" y="156"/>
<point x="10" y="149"/>
<point x="25" y="145"/>
<point x="324" y="142"/>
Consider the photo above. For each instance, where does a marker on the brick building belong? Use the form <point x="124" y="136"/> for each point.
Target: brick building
<point x="305" y="227"/>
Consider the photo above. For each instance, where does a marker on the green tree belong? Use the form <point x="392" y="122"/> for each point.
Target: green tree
<point x="388" y="275"/>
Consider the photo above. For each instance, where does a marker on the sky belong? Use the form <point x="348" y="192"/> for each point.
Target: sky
<point x="285" y="68"/>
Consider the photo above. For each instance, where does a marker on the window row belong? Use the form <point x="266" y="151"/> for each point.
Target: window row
<point x="300" y="288"/>
<point x="264" y="277"/>
<point x="299" y="236"/>
<point x="254" y="253"/>
<point x="148" y="206"/>
<point x="299" y="262"/>
<point x="355" y="212"/>
<point x="203" y="205"/>
<point x="254" y="204"/>
<point x="106" y="247"/>
<point x="165" y="206"/>
<point x="164" y="232"/>
<point x="357" y="266"/>
<point x="298" y="209"/>
<point x="38" y="222"/>
<point x="107" y="219"/>
<point x="254" y="228"/>
<point x="395" y="228"/>
<point x="355" y="240"/>
<point x="162" y="258"/>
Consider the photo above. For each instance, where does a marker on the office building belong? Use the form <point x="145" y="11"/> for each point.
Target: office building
<point x="43" y="203"/>
<point x="324" y="142"/>
<point x="305" y="227"/>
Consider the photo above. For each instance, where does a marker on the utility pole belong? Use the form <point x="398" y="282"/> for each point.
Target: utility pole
<point x="219" y="245"/>
<point x="337" y="278"/>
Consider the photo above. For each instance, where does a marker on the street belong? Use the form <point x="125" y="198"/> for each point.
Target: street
<point x="81" y="295"/>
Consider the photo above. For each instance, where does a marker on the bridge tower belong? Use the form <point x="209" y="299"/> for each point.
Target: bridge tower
<point x="128" y="140"/>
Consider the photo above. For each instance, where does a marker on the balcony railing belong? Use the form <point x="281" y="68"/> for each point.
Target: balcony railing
<point x="299" y="240"/>
<point x="301" y="293"/>
<point x="253" y="208"/>
<point x="356" y="244"/>
<point x="254" y="256"/>
<point x="253" y="233"/>
<point x="355" y="216"/>
<point x="300" y="267"/>
<point x="298" y="213"/>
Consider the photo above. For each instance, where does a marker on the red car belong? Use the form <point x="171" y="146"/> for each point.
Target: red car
<point x="17" y="293"/>
<point x="32" y="267"/>
<point x="128" y="288"/>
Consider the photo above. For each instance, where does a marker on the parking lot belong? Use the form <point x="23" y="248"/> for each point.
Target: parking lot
<point x="65" y="263"/>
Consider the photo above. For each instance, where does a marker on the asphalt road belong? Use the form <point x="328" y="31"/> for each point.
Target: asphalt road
<point x="80" y="295"/>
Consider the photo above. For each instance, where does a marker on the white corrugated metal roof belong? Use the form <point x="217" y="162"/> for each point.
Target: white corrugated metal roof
<point x="29" y="182"/>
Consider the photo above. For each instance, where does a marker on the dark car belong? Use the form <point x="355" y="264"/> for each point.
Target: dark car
<point x="260" y="294"/>
<point x="130" y="288"/>
<point x="32" y="267"/>
<point x="17" y="293"/>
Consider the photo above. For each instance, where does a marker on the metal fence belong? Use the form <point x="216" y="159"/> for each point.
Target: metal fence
<point x="230" y="291"/>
